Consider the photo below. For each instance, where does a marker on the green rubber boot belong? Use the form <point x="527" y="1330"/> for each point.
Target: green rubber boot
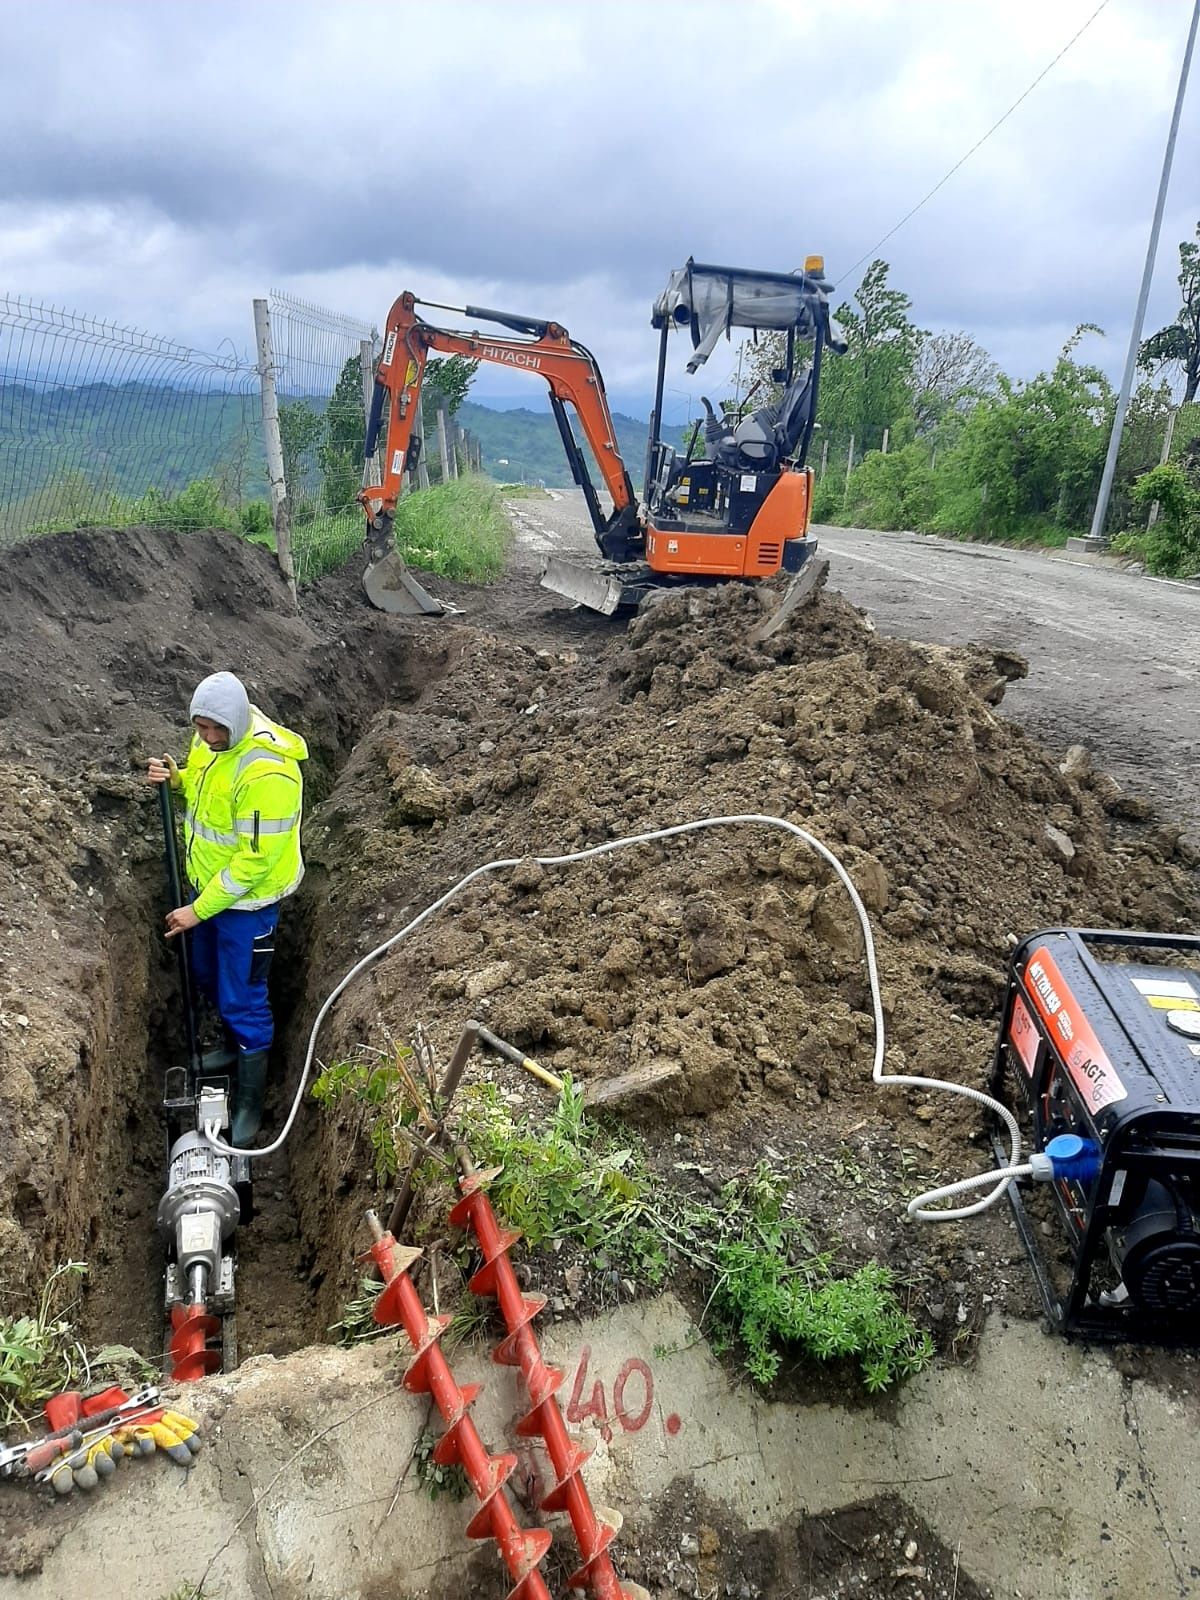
<point x="248" y="1103"/>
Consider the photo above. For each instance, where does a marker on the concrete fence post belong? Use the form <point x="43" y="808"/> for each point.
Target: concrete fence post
<point x="273" y="444"/>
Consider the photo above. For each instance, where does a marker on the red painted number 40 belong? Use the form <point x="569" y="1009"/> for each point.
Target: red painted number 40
<point x="632" y="1397"/>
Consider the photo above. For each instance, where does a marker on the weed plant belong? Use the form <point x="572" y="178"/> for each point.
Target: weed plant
<point x="42" y="1354"/>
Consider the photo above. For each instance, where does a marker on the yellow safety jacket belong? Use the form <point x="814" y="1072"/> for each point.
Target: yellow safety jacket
<point x="242" y="826"/>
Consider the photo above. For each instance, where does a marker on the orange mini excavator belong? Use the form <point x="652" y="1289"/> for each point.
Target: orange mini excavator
<point x="734" y="504"/>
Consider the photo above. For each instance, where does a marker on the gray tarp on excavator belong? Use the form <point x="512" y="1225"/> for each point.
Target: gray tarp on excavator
<point x="715" y="299"/>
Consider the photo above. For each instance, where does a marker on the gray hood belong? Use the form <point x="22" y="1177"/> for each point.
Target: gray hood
<point x="222" y="698"/>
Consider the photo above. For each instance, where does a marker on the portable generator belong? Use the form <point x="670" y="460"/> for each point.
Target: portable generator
<point x="1100" y="1049"/>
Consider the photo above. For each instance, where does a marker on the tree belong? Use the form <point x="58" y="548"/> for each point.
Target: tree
<point x="951" y="373"/>
<point x="869" y="388"/>
<point x="1033" y="452"/>
<point x="341" y="453"/>
<point x="447" y="380"/>
<point x="1178" y="344"/>
<point x="300" y="428"/>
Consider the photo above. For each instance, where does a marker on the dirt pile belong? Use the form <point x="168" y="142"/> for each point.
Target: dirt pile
<point x="728" y="965"/>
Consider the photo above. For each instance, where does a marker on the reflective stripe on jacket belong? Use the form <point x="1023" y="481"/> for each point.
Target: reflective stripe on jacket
<point x="242" y="825"/>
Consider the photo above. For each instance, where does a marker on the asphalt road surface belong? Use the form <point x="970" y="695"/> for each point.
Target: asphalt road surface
<point x="1114" y="658"/>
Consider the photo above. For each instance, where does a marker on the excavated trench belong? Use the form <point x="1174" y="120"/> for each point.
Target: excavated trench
<point x="107" y="633"/>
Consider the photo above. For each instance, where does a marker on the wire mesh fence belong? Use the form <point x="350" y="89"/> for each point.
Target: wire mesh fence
<point x="103" y="425"/>
<point x="318" y="357"/>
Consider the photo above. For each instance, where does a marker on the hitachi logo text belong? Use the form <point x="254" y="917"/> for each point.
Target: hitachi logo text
<point x="511" y="358"/>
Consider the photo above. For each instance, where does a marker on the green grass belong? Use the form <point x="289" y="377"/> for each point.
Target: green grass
<point x="523" y="491"/>
<point x="457" y="530"/>
<point x="325" y="541"/>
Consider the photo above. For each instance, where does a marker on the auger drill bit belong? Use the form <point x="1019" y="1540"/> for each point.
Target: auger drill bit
<point x="594" y="1529"/>
<point x="191" y="1330"/>
<point x="429" y="1373"/>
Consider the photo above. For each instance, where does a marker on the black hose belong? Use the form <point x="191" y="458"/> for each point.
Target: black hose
<point x="175" y="887"/>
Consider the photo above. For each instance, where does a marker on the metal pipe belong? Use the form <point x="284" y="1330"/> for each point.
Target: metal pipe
<point x="175" y="888"/>
<point x="198" y="1278"/>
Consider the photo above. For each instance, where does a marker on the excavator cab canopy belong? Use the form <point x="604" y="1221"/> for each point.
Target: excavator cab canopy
<point x="711" y="301"/>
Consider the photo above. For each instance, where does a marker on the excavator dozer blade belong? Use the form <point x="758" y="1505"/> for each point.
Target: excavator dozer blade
<point x="391" y="587"/>
<point x="809" y="581"/>
<point x="597" y="590"/>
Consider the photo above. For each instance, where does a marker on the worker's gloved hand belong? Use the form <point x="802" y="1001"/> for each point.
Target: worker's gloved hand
<point x="83" y="1468"/>
<point x="170" y="1431"/>
<point x="162" y="769"/>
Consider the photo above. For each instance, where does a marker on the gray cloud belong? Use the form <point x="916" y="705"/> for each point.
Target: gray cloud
<point x="168" y="162"/>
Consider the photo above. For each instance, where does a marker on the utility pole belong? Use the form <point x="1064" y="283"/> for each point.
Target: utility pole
<point x="1162" y="461"/>
<point x="1135" y="336"/>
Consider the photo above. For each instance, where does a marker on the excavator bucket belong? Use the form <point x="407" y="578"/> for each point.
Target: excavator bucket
<point x="390" y="586"/>
<point x="599" y="591"/>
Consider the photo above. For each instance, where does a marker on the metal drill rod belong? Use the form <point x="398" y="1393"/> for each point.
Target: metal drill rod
<point x="175" y="886"/>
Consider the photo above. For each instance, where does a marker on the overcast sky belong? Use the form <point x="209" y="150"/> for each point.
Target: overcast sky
<point x="164" y="163"/>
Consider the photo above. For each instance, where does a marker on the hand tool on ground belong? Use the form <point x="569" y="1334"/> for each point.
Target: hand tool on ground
<point x="65" y="1413"/>
<point x="491" y="1041"/>
<point x="105" y="1427"/>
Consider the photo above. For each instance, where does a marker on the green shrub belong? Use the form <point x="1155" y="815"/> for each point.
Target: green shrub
<point x="255" y="523"/>
<point x="1171" y="549"/>
<point x="891" y="491"/>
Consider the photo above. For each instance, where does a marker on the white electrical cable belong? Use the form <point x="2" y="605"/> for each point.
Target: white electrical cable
<point x="1000" y="1177"/>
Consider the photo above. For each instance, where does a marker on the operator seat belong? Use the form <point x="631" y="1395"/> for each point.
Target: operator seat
<point x="767" y="436"/>
<point x="795" y="408"/>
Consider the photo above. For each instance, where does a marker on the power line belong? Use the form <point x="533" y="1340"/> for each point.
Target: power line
<point x="908" y="215"/>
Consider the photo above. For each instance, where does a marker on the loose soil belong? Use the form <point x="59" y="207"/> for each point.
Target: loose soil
<point x="729" y="959"/>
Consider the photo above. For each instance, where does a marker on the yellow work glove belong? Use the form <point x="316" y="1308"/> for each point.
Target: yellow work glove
<point x="173" y="1433"/>
<point x="83" y="1468"/>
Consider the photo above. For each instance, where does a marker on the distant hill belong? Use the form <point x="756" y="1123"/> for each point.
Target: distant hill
<point x="528" y="444"/>
<point x="125" y="438"/>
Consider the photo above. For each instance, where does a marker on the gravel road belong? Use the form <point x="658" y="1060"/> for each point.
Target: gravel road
<point x="1114" y="658"/>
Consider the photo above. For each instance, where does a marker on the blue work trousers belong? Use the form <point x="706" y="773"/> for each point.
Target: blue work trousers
<point x="231" y="956"/>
